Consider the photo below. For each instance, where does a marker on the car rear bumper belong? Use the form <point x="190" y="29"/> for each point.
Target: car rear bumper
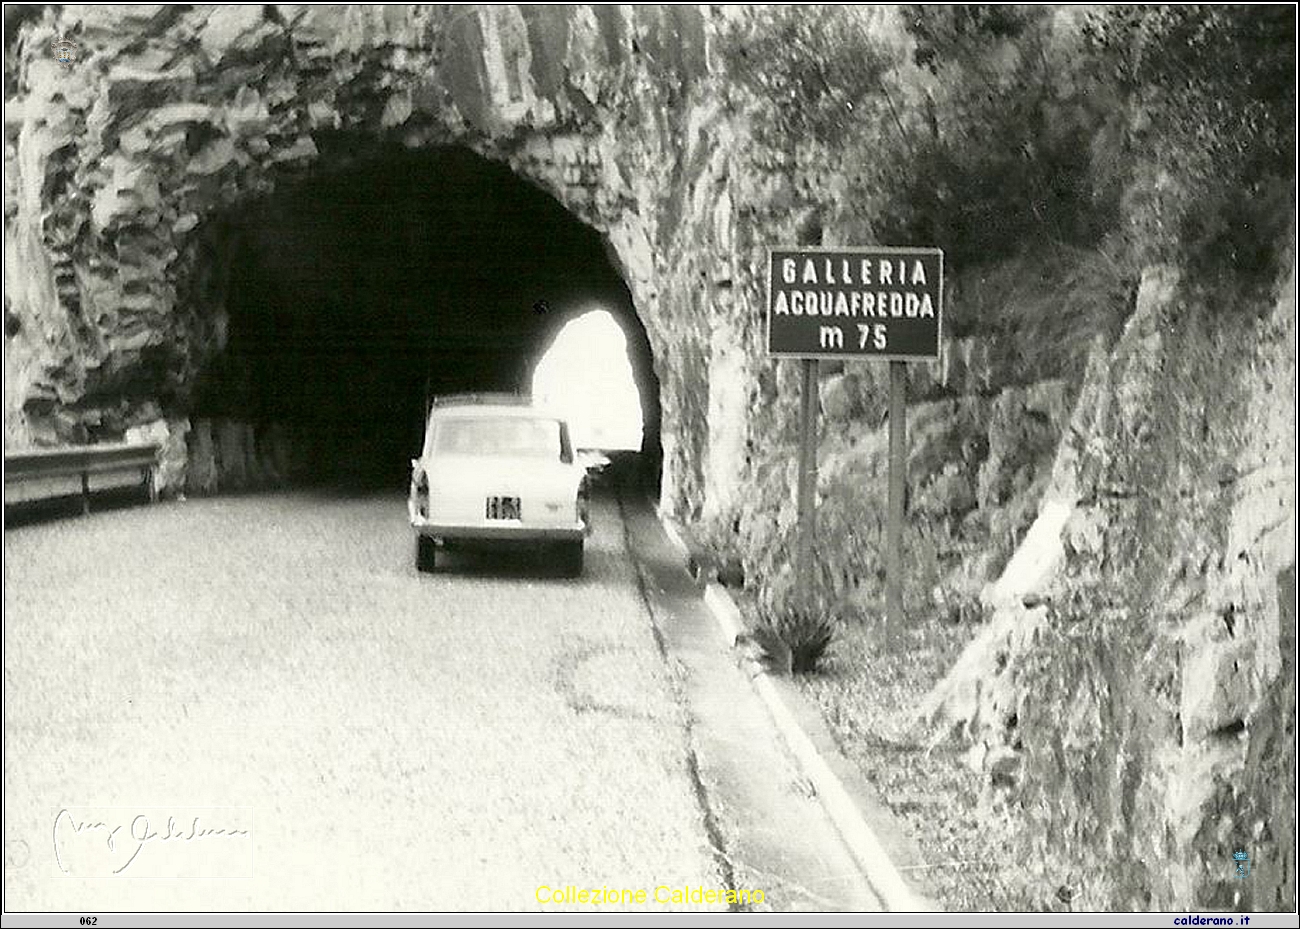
<point x="501" y="532"/>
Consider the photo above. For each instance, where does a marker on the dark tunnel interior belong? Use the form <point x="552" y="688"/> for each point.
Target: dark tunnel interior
<point x="357" y="293"/>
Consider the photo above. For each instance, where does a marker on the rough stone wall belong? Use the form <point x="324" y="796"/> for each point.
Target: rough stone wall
<point x="1136" y="713"/>
<point x="171" y="114"/>
<point x="1132" y="699"/>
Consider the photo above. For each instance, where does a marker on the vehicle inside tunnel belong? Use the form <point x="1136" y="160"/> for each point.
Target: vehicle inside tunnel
<point x="355" y="295"/>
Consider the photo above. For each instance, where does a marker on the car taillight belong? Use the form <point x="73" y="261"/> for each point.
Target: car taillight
<point x="420" y="484"/>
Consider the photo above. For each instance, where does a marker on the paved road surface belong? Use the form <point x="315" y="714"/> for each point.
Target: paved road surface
<point x="391" y="741"/>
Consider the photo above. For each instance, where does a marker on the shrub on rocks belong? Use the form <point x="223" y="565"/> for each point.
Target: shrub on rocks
<point x="841" y="398"/>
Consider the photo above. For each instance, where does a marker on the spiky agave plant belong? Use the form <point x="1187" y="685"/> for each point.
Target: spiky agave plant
<point x="795" y="636"/>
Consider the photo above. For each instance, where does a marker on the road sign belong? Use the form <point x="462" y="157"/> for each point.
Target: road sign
<point x="866" y="302"/>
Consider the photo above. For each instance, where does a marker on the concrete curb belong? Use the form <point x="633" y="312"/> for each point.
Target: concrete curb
<point x="895" y="892"/>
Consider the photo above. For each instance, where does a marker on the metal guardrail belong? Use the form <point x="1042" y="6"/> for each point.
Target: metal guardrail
<point x="26" y="468"/>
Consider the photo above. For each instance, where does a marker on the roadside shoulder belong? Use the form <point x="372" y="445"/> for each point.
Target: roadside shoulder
<point x="877" y="840"/>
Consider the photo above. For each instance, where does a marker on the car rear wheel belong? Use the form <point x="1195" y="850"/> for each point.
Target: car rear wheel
<point x="426" y="553"/>
<point x="571" y="559"/>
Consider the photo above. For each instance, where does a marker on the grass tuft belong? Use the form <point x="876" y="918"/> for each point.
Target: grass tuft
<point x="796" y="637"/>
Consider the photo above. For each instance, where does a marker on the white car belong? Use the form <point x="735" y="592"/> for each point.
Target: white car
<point x="497" y="470"/>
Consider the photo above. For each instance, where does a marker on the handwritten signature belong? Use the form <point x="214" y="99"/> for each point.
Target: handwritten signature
<point x="138" y="831"/>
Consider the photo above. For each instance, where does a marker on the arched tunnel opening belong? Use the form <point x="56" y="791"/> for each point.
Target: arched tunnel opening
<point x="355" y="295"/>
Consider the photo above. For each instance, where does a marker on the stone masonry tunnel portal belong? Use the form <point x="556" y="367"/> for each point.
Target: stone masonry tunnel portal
<point x="357" y="293"/>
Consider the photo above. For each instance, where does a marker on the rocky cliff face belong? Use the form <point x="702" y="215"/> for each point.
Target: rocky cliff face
<point x="1116" y="508"/>
<point x="116" y="297"/>
<point x="1134" y="691"/>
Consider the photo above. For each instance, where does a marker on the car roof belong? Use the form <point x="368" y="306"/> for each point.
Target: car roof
<point x="477" y="410"/>
<point x="495" y="405"/>
<point x="483" y="398"/>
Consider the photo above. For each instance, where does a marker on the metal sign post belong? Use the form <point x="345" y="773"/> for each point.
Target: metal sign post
<point x="807" y="494"/>
<point x="863" y="302"/>
<point x="897" y="490"/>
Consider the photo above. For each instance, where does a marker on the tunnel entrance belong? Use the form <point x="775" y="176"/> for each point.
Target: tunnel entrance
<point x="356" y="294"/>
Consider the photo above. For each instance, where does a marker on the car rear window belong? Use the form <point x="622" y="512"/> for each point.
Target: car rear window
<point x="513" y="436"/>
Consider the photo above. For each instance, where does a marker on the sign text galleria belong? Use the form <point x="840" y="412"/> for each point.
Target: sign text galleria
<point x="882" y="302"/>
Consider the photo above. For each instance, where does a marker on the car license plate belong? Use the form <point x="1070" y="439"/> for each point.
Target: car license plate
<point x="502" y="508"/>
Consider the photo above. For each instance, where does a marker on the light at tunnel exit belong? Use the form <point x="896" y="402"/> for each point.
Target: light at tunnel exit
<point x="585" y="375"/>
